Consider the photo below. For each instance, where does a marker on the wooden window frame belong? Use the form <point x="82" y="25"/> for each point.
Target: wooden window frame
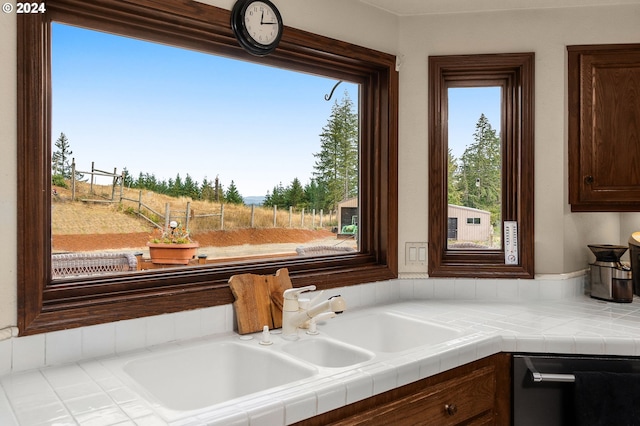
<point x="44" y="305"/>
<point x="515" y="74"/>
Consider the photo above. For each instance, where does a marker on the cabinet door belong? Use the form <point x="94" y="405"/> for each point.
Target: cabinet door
<point x="604" y="128"/>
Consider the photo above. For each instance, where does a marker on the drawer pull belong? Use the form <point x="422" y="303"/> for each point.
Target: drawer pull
<point x="451" y="409"/>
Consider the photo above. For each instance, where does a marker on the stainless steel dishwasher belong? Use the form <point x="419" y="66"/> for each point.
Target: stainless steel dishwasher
<point x="543" y="391"/>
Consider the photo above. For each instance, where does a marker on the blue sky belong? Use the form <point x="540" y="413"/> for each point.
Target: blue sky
<point x="465" y="107"/>
<point x="156" y="109"/>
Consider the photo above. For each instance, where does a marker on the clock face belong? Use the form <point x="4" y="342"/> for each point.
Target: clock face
<point x="257" y="25"/>
<point x="262" y="23"/>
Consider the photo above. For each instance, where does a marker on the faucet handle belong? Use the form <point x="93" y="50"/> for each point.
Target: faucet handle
<point x="293" y="293"/>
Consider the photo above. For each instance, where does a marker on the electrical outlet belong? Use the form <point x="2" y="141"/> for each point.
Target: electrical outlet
<point x="415" y="253"/>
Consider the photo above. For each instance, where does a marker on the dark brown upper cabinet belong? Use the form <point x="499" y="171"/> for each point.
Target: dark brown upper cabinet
<point x="604" y="127"/>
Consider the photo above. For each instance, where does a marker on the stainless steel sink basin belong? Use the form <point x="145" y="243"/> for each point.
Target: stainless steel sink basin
<point x="326" y="353"/>
<point x="204" y="375"/>
<point x="387" y="332"/>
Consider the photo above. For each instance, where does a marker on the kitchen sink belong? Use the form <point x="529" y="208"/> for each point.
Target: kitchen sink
<point x="326" y="353"/>
<point x="200" y="376"/>
<point x="388" y="332"/>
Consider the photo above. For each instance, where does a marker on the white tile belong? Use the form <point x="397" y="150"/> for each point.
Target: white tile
<point x="507" y="289"/>
<point x="213" y="320"/>
<point x="405" y="289"/>
<point x="160" y="329"/>
<point x="444" y="288"/>
<point x="429" y="366"/>
<point x="367" y="295"/>
<point x="530" y="343"/>
<point x="28" y="352"/>
<point x="64" y="346"/>
<point x="384" y="377"/>
<point x="465" y="289"/>
<point x="619" y="346"/>
<point x="48" y="414"/>
<point x="589" y="345"/>
<point x="131" y="334"/>
<point x="330" y="396"/>
<point x="188" y="324"/>
<point x="106" y="416"/>
<point x="300" y="407"/>
<point x="528" y="289"/>
<point x="272" y="414"/>
<point x="6" y="348"/>
<point x="89" y="404"/>
<point x="384" y="292"/>
<point x="486" y="289"/>
<point x="68" y="375"/>
<point x="551" y="289"/>
<point x="98" y="340"/>
<point x="7" y="418"/>
<point x="359" y="387"/>
<point x="423" y="289"/>
<point x="559" y="344"/>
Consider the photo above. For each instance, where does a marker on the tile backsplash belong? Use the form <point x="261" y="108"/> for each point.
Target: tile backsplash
<point x="66" y="346"/>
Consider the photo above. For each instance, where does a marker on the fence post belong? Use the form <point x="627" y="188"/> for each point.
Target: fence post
<point x="167" y="216"/>
<point x="302" y="218"/>
<point x="73" y="179"/>
<point x="186" y="215"/>
<point x="91" y="185"/>
<point x="313" y="219"/>
<point x="121" y="186"/>
<point x="290" y="216"/>
<point x="275" y="212"/>
<point x="321" y="216"/>
<point x="221" y="217"/>
<point x="140" y="202"/>
<point x="113" y="186"/>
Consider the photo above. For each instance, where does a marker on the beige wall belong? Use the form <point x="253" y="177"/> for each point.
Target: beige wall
<point x="560" y="236"/>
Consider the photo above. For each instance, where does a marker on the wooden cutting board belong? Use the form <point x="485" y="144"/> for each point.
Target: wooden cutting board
<point x="277" y="286"/>
<point x="258" y="300"/>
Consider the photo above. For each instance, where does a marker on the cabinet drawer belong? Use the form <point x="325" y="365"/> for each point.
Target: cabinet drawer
<point x="448" y="403"/>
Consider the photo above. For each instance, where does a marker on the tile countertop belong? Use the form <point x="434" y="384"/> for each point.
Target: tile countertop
<point x="89" y="393"/>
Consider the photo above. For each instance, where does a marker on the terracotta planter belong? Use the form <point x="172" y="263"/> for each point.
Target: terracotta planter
<point x="172" y="254"/>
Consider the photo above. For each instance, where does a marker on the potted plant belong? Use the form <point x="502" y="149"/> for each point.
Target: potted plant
<point x="173" y="246"/>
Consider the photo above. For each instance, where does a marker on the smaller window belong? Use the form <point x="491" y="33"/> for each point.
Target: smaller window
<point x="500" y="172"/>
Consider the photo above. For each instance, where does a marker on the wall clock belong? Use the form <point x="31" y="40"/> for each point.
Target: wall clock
<point x="257" y="24"/>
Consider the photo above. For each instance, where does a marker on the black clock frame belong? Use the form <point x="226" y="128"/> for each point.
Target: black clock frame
<point x="242" y="35"/>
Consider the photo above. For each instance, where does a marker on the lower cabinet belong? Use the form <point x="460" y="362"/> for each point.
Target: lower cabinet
<point x="478" y="393"/>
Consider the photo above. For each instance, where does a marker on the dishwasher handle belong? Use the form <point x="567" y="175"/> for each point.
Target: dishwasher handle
<point x="538" y="377"/>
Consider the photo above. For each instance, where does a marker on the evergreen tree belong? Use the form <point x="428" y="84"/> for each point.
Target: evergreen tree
<point x="232" y="196"/>
<point x="480" y="177"/>
<point x="295" y="193"/>
<point x="336" y="166"/>
<point x="207" y="191"/>
<point x="60" y="159"/>
<point x="453" y="191"/>
<point x="315" y="195"/>
<point x="128" y="179"/>
<point x="190" y="188"/>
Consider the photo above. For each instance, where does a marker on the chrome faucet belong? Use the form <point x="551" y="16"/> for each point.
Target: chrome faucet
<point x="293" y="316"/>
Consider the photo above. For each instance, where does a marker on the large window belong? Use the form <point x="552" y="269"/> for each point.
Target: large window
<point x="246" y="160"/>
<point x="481" y="169"/>
<point x="47" y="304"/>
